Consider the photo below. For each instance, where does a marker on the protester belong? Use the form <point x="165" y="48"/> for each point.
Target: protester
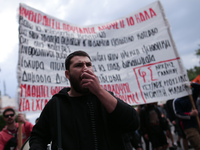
<point x="188" y="115"/>
<point x="133" y="140"/>
<point x="177" y="125"/>
<point x="146" y="141"/>
<point x="168" y="132"/>
<point x="90" y="117"/>
<point x="8" y="136"/>
<point x="152" y="127"/>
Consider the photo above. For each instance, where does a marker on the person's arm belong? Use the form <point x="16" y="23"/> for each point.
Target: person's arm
<point x="40" y="135"/>
<point x="123" y="115"/>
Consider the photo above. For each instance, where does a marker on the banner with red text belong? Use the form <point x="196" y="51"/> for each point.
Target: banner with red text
<point x="134" y="56"/>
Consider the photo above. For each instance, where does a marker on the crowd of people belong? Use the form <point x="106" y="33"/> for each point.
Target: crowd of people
<point x="87" y="117"/>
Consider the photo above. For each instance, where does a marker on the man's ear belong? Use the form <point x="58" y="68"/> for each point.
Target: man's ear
<point x="67" y="74"/>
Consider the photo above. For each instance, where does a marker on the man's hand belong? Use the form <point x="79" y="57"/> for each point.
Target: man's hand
<point x="194" y="112"/>
<point x="21" y="118"/>
<point x="146" y="136"/>
<point x="90" y="81"/>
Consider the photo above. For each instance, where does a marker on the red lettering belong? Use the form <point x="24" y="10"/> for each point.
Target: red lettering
<point x="20" y="105"/>
<point x="142" y="17"/>
<point x="46" y="101"/>
<point x="37" y="104"/>
<point x="122" y="25"/>
<point x="23" y="89"/>
<point x="33" y="105"/>
<point x="41" y="104"/>
<point x="143" y="74"/>
<point x="130" y="21"/>
<point x="33" y="91"/>
<point x="47" y="89"/>
<point x="152" y="12"/>
<point x="55" y="90"/>
<point x="38" y="93"/>
<point x="131" y="98"/>
<point x="137" y="18"/>
<point x="118" y="88"/>
<point x="39" y="18"/>
<point x="27" y="107"/>
<point x="53" y="23"/>
<point x="57" y="25"/>
<point x="80" y="30"/>
<point x="28" y="92"/>
<point x="146" y="15"/>
<point x="151" y="74"/>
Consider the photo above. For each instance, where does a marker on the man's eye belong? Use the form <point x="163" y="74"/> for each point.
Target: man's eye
<point x="79" y="65"/>
<point x="89" y="64"/>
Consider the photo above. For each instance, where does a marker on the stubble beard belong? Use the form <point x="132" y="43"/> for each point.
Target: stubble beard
<point x="75" y="83"/>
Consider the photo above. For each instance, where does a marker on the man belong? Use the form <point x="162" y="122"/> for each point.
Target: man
<point x="188" y="115"/>
<point x="176" y="123"/>
<point x="91" y="118"/>
<point x="8" y="134"/>
<point x="133" y="140"/>
<point x="152" y="126"/>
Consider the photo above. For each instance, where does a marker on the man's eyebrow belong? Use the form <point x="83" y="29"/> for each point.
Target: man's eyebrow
<point x="78" y="63"/>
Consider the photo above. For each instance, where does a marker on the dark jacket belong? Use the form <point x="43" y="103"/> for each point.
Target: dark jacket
<point x="122" y="120"/>
<point x="182" y="108"/>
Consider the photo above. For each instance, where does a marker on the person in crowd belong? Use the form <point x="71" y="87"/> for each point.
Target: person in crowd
<point x="8" y="136"/>
<point x="146" y="141"/>
<point x="184" y="110"/>
<point x="90" y="118"/>
<point x="152" y="126"/>
<point x="198" y="104"/>
<point x="177" y="125"/>
<point x="168" y="132"/>
<point x="133" y="140"/>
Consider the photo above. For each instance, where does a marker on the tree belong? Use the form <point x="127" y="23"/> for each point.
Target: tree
<point x="194" y="72"/>
<point x="2" y="123"/>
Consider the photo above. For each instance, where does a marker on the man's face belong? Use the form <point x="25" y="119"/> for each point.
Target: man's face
<point x="9" y="117"/>
<point x="79" y="64"/>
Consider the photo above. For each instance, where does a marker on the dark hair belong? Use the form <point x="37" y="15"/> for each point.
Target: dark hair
<point x="70" y="56"/>
<point x="8" y="109"/>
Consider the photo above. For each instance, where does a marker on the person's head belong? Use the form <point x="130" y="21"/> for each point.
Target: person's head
<point x="70" y="56"/>
<point x="77" y="63"/>
<point x="9" y="116"/>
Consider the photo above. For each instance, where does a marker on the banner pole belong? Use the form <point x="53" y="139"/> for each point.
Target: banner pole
<point x="20" y="135"/>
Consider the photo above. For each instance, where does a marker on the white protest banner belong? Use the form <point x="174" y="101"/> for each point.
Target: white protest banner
<point x="135" y="56"/>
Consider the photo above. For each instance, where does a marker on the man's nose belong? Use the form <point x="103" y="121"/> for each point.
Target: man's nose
<point x="85" y="66"/>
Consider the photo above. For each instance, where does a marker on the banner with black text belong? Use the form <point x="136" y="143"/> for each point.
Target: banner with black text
<point x="135" y="56"/>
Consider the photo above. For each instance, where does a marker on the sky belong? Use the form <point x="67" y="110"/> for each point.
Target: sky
<point x="182" y="15"/>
